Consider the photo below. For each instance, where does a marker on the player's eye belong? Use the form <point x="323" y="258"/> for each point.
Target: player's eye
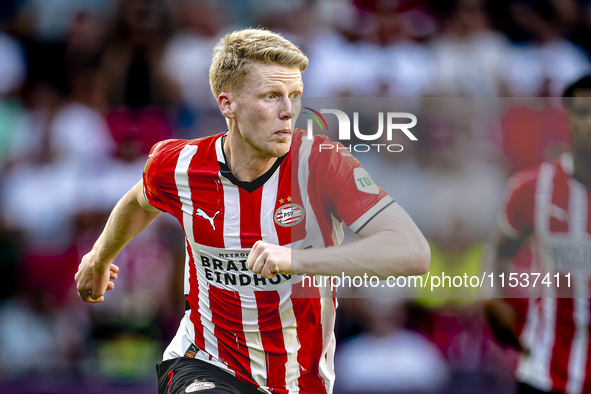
<point x="295" y="96"/>
<point x="270" y="96"/>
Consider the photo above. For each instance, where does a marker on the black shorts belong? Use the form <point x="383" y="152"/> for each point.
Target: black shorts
<point x="186" y="375"/>
<point x="524" y="388"/>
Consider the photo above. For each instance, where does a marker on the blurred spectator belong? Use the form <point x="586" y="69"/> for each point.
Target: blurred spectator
<point x="470" y="194"/>
<point x="387" y="357"/>
<point x="27" y="338"/>
<point x="457" y="171"/>
<point x="469" y="56"/>
<point x="38" y="339"/>
<point x="546" y="62"/>
<point x="138" y="90"/>
<point x="338" y="68"/>
<point x="60" y="139"/>
<point x="85" y="42"/>
<point x="187" y="60"/>
<point x="402" y="67"/>
<point x="580" y="24"/>
<point x="52" y="17"/>
<point x="39" y="171"/>
<point x="399" y="66"/>
<point x="12" y="67"/>
<point x="12" y="76"/>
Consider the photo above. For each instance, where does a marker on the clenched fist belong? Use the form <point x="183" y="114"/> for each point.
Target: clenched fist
<point x="92" y="279"/>
<point x="269" y="259"/>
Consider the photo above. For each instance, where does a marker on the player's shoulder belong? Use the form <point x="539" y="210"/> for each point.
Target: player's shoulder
<point x="307" y="138"/>
<point x="165" y="155"/>
<point x="523" y="184"/>
<point x="525" y="178"/>
<point x="172" y="147"/>
<point x="167" y="146"/>
<point x="320" y="147"/>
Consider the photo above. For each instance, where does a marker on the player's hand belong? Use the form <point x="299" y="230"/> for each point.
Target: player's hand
<point x="92" y="279"/>
<point x="502" y="320"/>
<point x="269" y="259"/>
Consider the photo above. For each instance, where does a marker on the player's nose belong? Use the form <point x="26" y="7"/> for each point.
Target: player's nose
<point x="286" y="110"/>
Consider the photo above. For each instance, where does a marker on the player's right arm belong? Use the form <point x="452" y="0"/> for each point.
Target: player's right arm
<point x="131" y="216"/>
<point x="500" y="314"/>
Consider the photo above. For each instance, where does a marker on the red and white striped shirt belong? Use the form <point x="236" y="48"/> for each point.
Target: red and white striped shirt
<point x="261" y="330"/>
<point x="547" y="202"/>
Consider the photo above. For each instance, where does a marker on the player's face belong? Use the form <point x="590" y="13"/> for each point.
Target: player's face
<point x="267" y="106"/>
<point x="580" y="120"/>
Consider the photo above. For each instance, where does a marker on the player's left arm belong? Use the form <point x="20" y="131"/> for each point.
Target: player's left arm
<point x="391" y="245"/>
<point x="515" y="227"/>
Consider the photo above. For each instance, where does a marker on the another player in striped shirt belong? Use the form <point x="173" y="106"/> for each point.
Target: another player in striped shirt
<point x="550" y="206"/>
<point x="260" y="206"/>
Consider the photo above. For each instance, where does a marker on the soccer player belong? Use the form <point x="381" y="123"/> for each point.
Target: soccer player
<point x="260" y="206"/>
<point x="550" y="206"/>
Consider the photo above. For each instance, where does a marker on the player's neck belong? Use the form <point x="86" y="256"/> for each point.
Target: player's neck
<point x="244" y="164"/>
<point x="582" y="168"/>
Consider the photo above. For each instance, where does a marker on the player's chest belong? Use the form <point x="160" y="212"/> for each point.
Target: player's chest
<point x="223" y="214"/>
<point x="562" y="211"/>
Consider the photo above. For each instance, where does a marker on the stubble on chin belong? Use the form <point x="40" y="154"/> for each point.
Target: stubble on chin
<point x="278" y="151"/>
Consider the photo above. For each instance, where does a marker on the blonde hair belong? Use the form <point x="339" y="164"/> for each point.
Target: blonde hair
<point x="237" y="51"/>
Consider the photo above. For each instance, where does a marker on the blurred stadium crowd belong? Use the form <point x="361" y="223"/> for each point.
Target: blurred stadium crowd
<point x="88" y="86"/>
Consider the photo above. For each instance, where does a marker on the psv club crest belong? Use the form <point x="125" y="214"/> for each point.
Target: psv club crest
<point x="289" y="214"/>
<point x="198" y="386"/>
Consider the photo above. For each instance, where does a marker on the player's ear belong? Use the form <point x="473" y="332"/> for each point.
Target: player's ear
<point x="226" y="104"/>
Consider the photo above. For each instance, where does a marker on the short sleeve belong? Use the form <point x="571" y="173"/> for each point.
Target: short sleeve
<point x="516" y="218"/>
<point x="346" y="187"/>
<point x="158" y="178"/>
